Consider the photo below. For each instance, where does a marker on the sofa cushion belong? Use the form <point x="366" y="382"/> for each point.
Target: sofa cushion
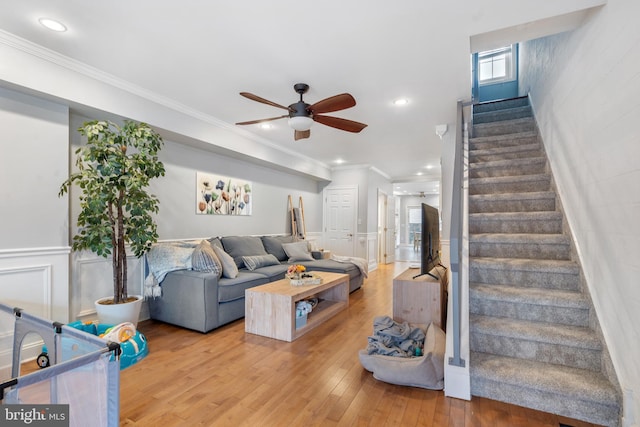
<point x="273" y="272"/>
<point x="229" y="267"/>
<point x="205" y="259"/>
<point x="273" y="245"/>
<point x="332" y="266"/>
<point x="233" y="289"/>
<point x="298" y="251"/>
<point x="239" y="246"/>
<point x="257" y="261"/>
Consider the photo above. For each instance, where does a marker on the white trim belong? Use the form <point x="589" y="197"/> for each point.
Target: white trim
<point x="47" y="283"/>
<point x="31" y="252"/>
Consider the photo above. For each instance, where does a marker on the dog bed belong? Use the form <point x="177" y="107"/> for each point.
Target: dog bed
<point x="426" y="371"/>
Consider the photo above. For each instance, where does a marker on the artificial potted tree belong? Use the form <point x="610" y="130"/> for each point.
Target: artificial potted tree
<point x="113" y="172"/>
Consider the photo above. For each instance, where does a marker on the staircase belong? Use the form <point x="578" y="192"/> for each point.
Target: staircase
<point x="532" y="328"/>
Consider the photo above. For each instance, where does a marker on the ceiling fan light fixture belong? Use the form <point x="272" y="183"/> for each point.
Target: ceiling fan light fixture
<point x="301" y="123"/>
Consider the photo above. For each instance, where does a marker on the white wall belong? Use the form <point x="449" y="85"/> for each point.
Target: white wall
<point x="34" y="252"/>
<point x="585" y="89"/>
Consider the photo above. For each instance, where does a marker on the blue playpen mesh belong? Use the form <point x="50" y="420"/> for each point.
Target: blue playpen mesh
<point x="84" y="371"/>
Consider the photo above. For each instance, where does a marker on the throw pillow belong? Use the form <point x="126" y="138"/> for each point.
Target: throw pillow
<point x="229" y="267"/>
<point x="205" y="259"/>
<point x="297" y="251"/>
<point x="257" y="261"/>
<point x="166" y="257"/>
<point x="239" y="246"/>
<point x="273" y="245"/>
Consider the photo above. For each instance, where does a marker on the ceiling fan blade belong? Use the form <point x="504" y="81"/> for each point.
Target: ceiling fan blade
<point x="253" y="122"/>
<point x="301" y="134"/>
<point x="338" y="123"/>
<point x="262" y="100"/>
<point x="334" y="103"/>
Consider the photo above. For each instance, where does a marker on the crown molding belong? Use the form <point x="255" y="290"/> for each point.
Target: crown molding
<point x="76" y="66"/>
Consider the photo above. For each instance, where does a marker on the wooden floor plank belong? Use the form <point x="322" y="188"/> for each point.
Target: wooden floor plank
<point x="229" y="378"/>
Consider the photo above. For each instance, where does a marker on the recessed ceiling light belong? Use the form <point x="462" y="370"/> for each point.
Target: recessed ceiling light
<point x="339" y="161"/>
<point x="429" y="166"/>
<point x="52" y="24"/>
<point x="418" y="173"/>
<point x="266" y="126"/>
<point x="401" y="101"/>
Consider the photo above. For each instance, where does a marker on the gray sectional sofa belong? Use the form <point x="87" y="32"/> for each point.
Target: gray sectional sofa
<point x="203" y="301"/>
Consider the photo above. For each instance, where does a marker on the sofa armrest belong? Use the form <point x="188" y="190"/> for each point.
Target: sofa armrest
<point x="189" y="299"/>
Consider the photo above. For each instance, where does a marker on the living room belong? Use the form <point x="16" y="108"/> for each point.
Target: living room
<point x="43" y="102"/>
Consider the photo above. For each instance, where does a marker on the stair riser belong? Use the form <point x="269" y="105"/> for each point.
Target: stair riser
<point x="527" y="205"/>
<point x="520" y="250"/>
<point x="503" y="128"/>
<point x="480" y="170"/>
<point x="523" y="311"/>
<point x="510" y="187"/>
<point x="509" y="155"/>
<point x="501" y="105"/>
<point x="477" y="226"/>
<point x="498" y="142"/>
<point x="501" y="115"/>
<point x="558" y="354"/>
<point x="590" y="411"/>
<point x="537" y="279"/>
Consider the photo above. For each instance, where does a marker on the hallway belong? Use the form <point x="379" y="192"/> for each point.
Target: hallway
<point x="407" y="253"/>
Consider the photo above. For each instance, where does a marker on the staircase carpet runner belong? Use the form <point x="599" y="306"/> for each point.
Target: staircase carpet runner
<point x="530" y="336"/>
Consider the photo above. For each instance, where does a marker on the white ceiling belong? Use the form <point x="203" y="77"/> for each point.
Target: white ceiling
<point x="201" y="54"/>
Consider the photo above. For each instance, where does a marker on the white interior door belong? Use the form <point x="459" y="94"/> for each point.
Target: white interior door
<point x="340" y="218"/>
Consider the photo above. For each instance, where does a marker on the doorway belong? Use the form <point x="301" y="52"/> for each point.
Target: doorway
<point x="340" y="219"/>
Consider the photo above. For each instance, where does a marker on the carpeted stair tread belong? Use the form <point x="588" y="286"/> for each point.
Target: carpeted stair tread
<point x="523" y="264"/>
<point x="502" y="114"/>
<point x="574" y="336"/>
<point x="539" y="239"/>
<point x="519" y="148"/>
<point x="516" y="222"/>
<point x="534" y="296"/>
<point x="509" y="163"/>
<point x="523" y="201"/>
<point x="502" y="104"/>
<point x="507" y="139"/>
<point x="515" y="196"/>
<point x="534" y="304"/>
<point x="567" y="391"/>
<point x="568" y="382"/>
<point x="510" y="184"/>
<point x="525" y="124"/>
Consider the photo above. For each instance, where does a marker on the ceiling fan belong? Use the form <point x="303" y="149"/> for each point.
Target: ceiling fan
<point x="302" y="115"/>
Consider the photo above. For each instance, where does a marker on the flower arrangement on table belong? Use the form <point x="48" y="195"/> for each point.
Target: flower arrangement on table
<point x="298" y="275"/>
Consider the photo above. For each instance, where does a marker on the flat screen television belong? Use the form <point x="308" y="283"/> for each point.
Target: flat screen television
<point x="429" y="241"/>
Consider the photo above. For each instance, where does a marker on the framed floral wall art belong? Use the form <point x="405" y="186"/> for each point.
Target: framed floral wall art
<point x="222" y="195"/>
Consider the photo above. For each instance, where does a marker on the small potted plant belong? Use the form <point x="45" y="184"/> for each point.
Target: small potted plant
<point x="114" y="170"/>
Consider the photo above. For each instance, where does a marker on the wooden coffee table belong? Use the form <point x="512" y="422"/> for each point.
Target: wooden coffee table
<point x="270" y="310"/>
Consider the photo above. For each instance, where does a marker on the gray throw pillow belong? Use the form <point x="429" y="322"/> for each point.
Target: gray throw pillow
<point x="205" y="259"/>
<point x="239" y="246"/>
<point x="273" y="245"/>
<point x="257" y="261"/>
<point x="297" y="251"/>
<point x="229" y="267"/>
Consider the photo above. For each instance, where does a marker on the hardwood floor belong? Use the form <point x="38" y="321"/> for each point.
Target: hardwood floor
<point x="229" y="378"/>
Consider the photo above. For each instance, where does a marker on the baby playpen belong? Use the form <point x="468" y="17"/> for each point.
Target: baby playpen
<point x="84" y="370"/>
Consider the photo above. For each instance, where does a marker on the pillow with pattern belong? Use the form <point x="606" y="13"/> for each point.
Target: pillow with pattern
<point x="205" y="259"/>
<point x="257" y="261"/>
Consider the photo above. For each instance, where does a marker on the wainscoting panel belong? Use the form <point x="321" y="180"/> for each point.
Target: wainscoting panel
<point x="37" y="281"/>
<point x="93" y="279"/>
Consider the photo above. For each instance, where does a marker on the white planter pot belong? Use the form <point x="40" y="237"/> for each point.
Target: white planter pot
<point x="113" y="314"/>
